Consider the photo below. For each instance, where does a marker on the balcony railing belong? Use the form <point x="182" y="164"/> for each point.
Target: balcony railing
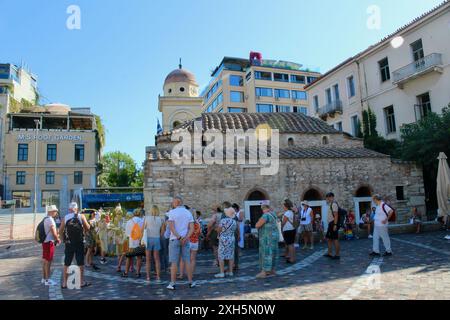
<point x="421" y="66"/>
<point x="331" y="108"/>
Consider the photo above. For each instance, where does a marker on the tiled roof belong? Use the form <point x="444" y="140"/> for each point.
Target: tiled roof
<point x="384" y="40"/>
<point x="293" y="153"/>
<point x="284" y="122"/>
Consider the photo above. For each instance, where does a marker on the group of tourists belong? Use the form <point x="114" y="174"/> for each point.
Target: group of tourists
<point x="170" y="241"/>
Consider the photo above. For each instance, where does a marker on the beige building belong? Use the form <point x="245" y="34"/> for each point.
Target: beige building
<point x="401" y="78"/>
<point x="67" y="155"/>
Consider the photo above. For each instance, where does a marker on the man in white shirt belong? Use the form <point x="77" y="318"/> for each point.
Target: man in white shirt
<point x="49" y="244"/>
<point x="381" y="222"/>
<point x="181" y="225"/>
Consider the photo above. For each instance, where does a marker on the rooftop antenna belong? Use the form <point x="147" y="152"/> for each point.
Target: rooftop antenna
<point x="180" y="65"/>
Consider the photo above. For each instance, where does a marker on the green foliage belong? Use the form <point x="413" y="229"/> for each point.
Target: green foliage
<point x="120" y="170"/>
<point x="100" y="136"/>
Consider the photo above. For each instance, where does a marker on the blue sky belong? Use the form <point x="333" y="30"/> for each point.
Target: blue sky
<point x="116" y="63"/>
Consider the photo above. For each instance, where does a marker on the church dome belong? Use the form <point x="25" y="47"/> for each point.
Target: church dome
<point x="180" y="75"/>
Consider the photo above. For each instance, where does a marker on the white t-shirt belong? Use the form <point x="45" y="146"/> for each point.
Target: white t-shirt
<point x="129" y="227"/>
<point x="288" y="226"/>
<point x="334" y="208"/>
<point x="181" y="218"/>
<point x="153" y="226"/>
<point x="381" y="215"/>
<point x="48" y="223"/>
<point x="305" y="214"/>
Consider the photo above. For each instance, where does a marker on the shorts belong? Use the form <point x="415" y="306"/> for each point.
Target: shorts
<point x="331" y="234"/>
<point x="175" y="250"/>
<point x="70" y="251"/>
<point x="289" y="237"/>
<point x="194" y="246"/>
<point x="153" y="244"/>
<point x="48" y="251"/>
<point x="305" y="228"/>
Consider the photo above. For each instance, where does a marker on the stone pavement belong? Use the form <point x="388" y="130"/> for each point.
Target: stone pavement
<point x="419" y="269"/>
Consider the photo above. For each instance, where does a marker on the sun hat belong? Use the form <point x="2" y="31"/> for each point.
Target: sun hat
<point x="52" y="208"/>
<point x="305" y="203"/>
<point x="73" y="205"/>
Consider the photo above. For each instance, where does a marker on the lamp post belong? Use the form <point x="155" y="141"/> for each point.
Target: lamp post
<point x="37" y="122"/>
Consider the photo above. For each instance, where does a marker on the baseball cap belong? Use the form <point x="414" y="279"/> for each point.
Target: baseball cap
<point x="73" y="205"/>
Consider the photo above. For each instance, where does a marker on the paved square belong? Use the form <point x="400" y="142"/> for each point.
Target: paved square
<point x="419" y="269"/>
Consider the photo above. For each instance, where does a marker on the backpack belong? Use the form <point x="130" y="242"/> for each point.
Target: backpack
<point x="342" y="215"/>
<point x="393" y="216"/>
<point x="136" y="232"/>
<point x="73" y="231"/>
<point x="40" y="233"/>
<point x="296" y="222"/>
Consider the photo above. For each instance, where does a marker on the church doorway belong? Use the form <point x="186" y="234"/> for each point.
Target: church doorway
<point x="363" y="201"/>
<point x="317" y="203"/>
<point x="253" y="203"/>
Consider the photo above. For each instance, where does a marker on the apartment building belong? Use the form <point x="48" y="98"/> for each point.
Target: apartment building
<point x="401" y="78"/>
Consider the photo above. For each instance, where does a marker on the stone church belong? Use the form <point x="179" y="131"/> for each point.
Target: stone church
<point x="314" y="159"/>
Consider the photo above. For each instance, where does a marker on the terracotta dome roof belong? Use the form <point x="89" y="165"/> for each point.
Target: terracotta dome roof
<point x="180" y="75"/>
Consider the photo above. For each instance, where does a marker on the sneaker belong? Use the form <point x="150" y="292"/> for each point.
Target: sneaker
<point x="387" y="254"/>
<point x="220" y="275"/>
<point x="374" y="254"/>
<point x="50" y="282"/>
<point x="192" y="285"/>
<point x="370" y="236"/>
<point x="42" y="281"/>
<point x="103" y="261"/>
<point x="230" y="274"/>
<point x="171" y="286"/>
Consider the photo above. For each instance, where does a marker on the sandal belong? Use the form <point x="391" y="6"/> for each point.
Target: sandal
<point x="86" y="284"/>
<point x="124" y="275"/>
<point x="63" y="287"/>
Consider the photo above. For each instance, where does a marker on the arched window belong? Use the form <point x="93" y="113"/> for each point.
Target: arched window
<point x="363" y="192"/>
<point x="291" y="142"/>
<point x="312" y="195"/>
<point x="324" y="140"/>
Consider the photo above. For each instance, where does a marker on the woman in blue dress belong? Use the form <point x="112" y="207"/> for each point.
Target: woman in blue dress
<point x="226" y="230"/>
<point x="269" y="236"/>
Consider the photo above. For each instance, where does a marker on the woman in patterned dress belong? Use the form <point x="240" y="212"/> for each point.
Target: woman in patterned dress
<point x="226" y="230"/>
<point x="269" y="236"/>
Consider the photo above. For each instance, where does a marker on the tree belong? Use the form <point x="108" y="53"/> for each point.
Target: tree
<point x="120" y="170"/>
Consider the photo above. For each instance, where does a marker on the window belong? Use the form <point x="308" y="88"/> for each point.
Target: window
<point x="291" y="142"/>
<point x="424" y="107"/>
<point x="417" y="50"/>
<point x="390" y="119"/>
<point x="351" y="86"/>
<point x="324" y="140"/>
<point x="175" y="124"/>
<point x="299" y="95"/>
<point x="50" y="177"/>
<point x="282" y="77"/>
<point x="237" y="110"/>
<point x="248" y="77"/>
<point x="316" y="103"/>
<point x="217" y="101"/>
<point x="51" y="152"/>
<point x="182" y="89"/>
<point x="261" y="75"/>
<point x="337" y="96"/>
<point x="328" y="96"/>
<point x="355" y="125"/>
<point x="264" y="92"/>
<point x="338" y="126"/>
<point x="297" y="79"/>
<point x="384" y="70"/>
<point x="303" y="110"/>
<point x="264" y="108"/>
<point x="78" y="177"/>
<point x="213" y="90"/>
<point x="282" y="109"/>
<point x="282" y="93"/>
<point x="400" y="191"/>
<point x="20" y="177"/>
<point x="22" y="198"/>
<point x="236" y="81"/>
<point x="311" y="79"/>
<point x="79" y="152"/>
<point x="236" y="96"/>
<point x="22" y="153"/>
<point x="50" y="198"/>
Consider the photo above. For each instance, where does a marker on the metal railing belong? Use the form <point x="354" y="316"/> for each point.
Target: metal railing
<point x="421" y="65"/>
<point x="333" y="107"/>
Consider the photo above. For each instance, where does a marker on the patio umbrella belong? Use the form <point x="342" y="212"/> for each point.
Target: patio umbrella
<point x="443" y="186"/>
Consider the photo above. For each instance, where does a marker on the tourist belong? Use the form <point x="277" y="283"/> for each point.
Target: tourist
<point x="125" y="244"/>
<point x="134" y="233"/>
<point x="332" y="235"/>
<point x="72" y="231"/>
<point x="382" y="215"/>
<point x="103" y="237"/>
<point x="288" y="227"/>
<point x="164" y="240"/>
<point x="90" y="242"/>
<point x="48" y="246"/>
<point x="153" y="224"/>
<point x="181" y="224"/>
<point x="227" y="230"/>
<point x="241" y="241"/>
<point x="269" y="236"/>
<point x="212" y="236"/>
<point x="306" y="228"/>
<point x="318" y="223"/>
<point x="416" y="219"/>
<point x="195" y="240"/>
<point x="227" y="205"/>
<point x="350" y="226"/>
<point x="366" y="223"/>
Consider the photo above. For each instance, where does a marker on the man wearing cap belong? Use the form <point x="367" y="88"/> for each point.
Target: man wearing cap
<point x="72" y="231"/>
<point x="306" y="227"/>
<point x="48" y="246"/>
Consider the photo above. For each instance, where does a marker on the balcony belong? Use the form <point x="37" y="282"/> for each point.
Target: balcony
<point x="330" y="109"/>
<point x="430" y="63"/>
